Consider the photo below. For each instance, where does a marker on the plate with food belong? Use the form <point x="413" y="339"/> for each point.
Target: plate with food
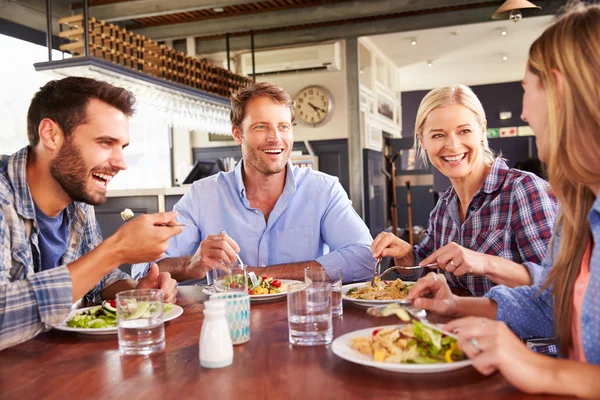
<point x="266" y="289"/>
<point x="384" y="292"/>
<point x="102" y="320"/>
<point x="408" y="348"/>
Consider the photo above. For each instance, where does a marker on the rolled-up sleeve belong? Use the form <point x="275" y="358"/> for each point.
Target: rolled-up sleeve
<point x="347" y="237"/>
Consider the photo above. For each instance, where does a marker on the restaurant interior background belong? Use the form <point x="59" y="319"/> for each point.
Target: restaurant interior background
<point x="376" y="59"/>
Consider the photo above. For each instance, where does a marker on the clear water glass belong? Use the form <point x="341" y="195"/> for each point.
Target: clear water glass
<point x="333" y="276"/>
<point x="141" y="328"/>
<point x="309" y="313"/>
<point x="223" y="279"/>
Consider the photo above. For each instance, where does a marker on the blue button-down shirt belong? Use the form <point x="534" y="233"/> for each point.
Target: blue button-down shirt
<point x="31" y="301"/>
<point x="313" y="219"/>
<point x="531" y="316"/>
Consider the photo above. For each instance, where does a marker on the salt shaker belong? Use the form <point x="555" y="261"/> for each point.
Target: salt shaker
<point x="216" y="350"/>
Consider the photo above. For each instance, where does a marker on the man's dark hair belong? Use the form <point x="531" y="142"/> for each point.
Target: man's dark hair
<point x="64" y="102"/>
<point x="240" y="99"/>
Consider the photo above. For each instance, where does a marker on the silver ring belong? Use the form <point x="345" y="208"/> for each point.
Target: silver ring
<point x="475" y="344"/>
<point x="452" y="263"/>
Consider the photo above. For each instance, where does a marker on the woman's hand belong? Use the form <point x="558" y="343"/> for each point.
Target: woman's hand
<point x="459" y="260"/>
<point x="493" y="347"/>
<point x="443" y="302"/>
<point x="387" y="244"/>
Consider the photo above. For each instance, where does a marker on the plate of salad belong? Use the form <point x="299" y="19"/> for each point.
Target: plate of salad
<point x="102" y="320"/>
<point x="408" y="348"/>
<point x="266" y="289"/>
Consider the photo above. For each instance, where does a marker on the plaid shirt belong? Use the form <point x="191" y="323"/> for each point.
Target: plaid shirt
<point x="31" y="300"/>
<point x="511" y="216"/>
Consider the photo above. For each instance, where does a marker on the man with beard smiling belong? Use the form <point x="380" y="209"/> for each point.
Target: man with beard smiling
<point x="278" y="217"/>
<point x="51" y="249"/>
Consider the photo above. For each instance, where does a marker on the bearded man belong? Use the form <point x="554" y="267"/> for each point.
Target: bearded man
<point x="51" y="249"/>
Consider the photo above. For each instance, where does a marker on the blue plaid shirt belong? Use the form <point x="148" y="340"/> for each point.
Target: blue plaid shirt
<point x="31" y="300"/>
<point x="511" y="216"/>
<point x="530" y="315"/>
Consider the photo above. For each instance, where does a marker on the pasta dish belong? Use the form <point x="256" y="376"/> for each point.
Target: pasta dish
<point x="383" y="290"/>
<point x="414" y="344"/>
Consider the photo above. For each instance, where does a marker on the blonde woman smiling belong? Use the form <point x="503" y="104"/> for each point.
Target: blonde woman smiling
<point x="493" y="225"/>
<point x="561" y="102"/>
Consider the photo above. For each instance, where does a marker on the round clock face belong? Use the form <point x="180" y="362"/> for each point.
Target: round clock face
<point x="313" y="105"/>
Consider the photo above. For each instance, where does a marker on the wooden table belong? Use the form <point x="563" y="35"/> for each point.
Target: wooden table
<point x="62" y="365"/>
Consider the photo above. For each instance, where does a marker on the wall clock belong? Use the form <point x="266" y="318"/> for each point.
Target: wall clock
<point x="313" y="105"/>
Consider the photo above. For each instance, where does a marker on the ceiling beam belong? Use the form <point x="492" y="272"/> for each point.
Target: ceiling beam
<point x="367" y="28"/>
<point x="307" y="15"/>
<point x="150" y="8"/>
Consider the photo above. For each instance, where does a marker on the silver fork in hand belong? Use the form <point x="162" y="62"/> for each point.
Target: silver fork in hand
<point x="128" y="215"/>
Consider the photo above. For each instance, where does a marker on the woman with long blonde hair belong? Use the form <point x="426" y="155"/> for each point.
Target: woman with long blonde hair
<point x="561" y="102"/>
<point x="493" y="225"/>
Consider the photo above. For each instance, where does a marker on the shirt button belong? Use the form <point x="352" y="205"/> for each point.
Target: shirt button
<point x="256" y="211"/>
<point x="73" y="246"/>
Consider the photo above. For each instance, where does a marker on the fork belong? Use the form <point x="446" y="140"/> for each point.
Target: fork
<point x="128" y="215"/>
<point x="375" y="271"/>
<point x="406" y="305"/>
<point x="402" y="268"/>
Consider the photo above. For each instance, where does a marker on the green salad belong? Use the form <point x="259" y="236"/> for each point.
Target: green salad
<point x="105" y="316"/>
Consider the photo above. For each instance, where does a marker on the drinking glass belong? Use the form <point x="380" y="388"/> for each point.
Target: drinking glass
<point x="141" y="328"/>
<point x="333" y="275"/>
<point x="309" y="313"/>
<point x="234" y="279"/>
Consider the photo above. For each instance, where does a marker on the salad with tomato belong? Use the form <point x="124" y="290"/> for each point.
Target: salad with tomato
<point x="264" y="285"/>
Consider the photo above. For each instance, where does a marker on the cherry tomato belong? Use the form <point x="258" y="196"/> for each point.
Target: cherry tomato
<point x="264" y="278"/>
<point x="233" y="285"/>
<point x="376" y="331"/>
<point x="276" y="283"/>
<point x="113" y="303"/>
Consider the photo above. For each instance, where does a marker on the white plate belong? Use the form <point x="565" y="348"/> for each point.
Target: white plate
<point x="259" y="298"/>
<point x="173" y="313"/>
<point x="368" y="303"/>
<point x="341" y="347"/>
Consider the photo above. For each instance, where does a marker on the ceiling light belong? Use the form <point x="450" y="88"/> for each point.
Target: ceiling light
<point x="429" y="63"/>
<point x="413" y="41"/>
<point x="218" y="9"/>
<point x="513" y="10"/>
<point x="504" y="57"/>
<point x="362" y="71"/>
<point x="503" y="32"/>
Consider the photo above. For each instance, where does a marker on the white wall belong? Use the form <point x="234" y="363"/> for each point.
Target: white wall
<point x="334" y="81"/>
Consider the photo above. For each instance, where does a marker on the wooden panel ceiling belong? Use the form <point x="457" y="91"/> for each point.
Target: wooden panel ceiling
<point x="227" y="11"/>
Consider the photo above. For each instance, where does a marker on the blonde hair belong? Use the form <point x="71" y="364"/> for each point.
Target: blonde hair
<point x="570" y="46"/>
<point x="445" y="96"/>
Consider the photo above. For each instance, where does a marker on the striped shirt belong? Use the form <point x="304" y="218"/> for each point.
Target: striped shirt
<point x="511" y="216"/>
<point x="32" y="300"/>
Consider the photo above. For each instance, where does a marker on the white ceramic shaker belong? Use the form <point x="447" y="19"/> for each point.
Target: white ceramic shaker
<point x="216" y="350"/>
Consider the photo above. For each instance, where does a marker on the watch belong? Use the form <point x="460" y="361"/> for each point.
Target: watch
<point x="313" y="105"/>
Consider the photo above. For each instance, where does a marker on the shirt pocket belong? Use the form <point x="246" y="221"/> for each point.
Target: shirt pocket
<point x="495" y="242"/>
<point x="296" y="244"/>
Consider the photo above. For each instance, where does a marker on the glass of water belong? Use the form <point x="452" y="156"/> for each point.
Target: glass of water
<point x="309" y="313"/>
<point x="140" y="321"/>
<point x="333" y="275"/>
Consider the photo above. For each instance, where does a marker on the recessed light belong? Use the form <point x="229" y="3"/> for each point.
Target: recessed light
<point x="362" y="71"/>
<point x="413" y="41"/>
<point x="503" y="32"/>
<point x="505" y="57"/>
<point x="218" y="9"/>
<point x="429" y="63"/>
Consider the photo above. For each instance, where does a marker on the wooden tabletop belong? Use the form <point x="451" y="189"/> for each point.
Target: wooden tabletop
<point x="63" y="365"/>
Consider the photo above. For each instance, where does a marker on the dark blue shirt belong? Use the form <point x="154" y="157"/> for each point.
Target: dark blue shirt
<point x="53" y="237"/>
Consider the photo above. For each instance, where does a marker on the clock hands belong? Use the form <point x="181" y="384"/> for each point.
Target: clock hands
<point x="317" y="109"/>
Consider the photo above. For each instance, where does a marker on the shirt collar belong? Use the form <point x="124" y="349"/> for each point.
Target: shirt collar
<point x="290" y="179"/>
<point x="17" y="174"/>
<point x="496" y="177"/>
<point x="492" y="182"/>
<point x="24" y="204"/>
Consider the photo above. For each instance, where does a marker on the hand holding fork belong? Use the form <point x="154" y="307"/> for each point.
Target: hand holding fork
<point x="128" y="215"/>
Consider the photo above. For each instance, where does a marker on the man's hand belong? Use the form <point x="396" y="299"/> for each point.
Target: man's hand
<point x="216" y="251"/>
<point x="140" y="240"/>
<point x="162" y="280"/>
